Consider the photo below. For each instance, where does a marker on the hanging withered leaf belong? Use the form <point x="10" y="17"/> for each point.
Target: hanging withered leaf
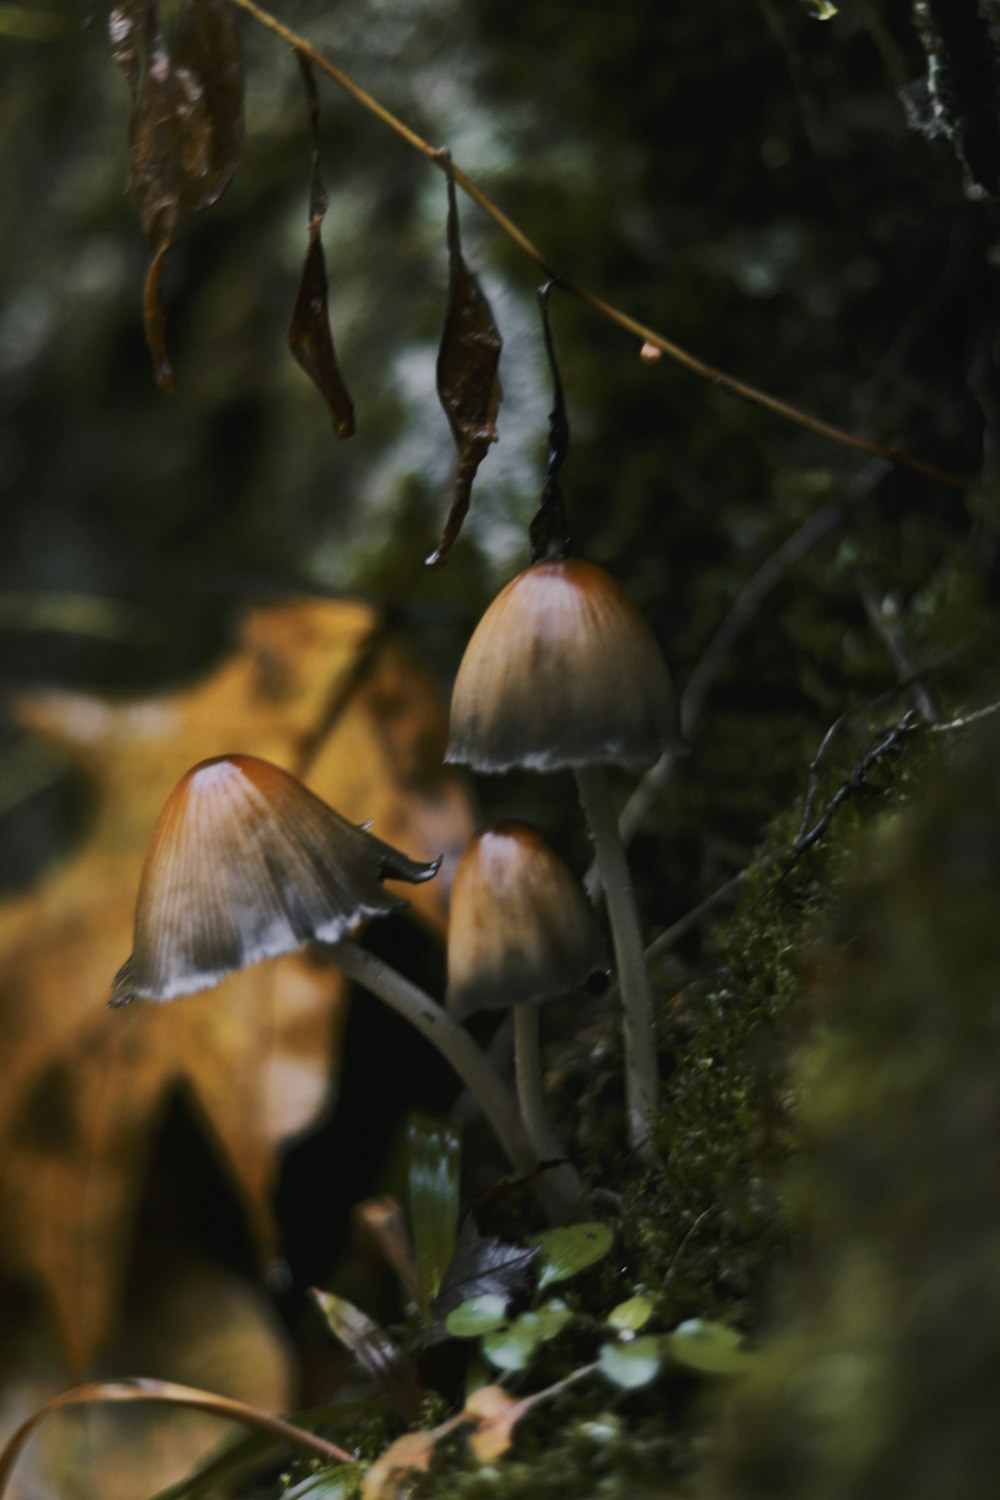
<point x="467" y="380"/>
<point x="185" y="127"/>
<point x="549" y="529"/>
<point x="309" y="335"/>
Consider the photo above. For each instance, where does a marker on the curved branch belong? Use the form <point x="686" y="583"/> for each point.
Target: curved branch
<point x="606" y="309"/>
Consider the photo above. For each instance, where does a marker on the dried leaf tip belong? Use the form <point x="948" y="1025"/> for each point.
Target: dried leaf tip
<point x="246" y="863"/>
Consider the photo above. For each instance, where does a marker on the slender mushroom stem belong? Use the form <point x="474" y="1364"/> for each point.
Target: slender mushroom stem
<point x="642" y="1083"/>
<point x="531" y="1097"/>
<point x="458" y="1048"/>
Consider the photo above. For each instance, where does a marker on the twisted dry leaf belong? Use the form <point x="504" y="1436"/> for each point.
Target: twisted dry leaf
<point x="310" y="337"/>
<point x="467" y="380"/>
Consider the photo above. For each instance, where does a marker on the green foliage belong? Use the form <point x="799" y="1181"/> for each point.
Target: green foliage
<point x="434" y="1161"/>
<point x="566" y="1252"/>
<point x="881" y="1377"/>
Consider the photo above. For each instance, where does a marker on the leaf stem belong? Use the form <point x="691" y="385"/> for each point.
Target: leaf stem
<point x="590" y="299"/>
<point x="167" y="1393"/>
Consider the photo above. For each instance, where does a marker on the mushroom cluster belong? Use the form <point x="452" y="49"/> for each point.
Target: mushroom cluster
<point x="246" y="863"/>
<point x="562" y="672"/>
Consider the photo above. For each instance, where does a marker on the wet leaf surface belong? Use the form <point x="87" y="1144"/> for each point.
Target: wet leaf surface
<point x="467" y="380"/>
<point x="310" y="337"/>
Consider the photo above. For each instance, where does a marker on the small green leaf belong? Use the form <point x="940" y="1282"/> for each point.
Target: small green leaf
<point x="710" y="1348"/>
<point x="434" y="1151"/>
<point x="477" y="1316"/>
<point x="633" y="1363"/>
<point x="511" y="1348"/>
<point x="823" y="10"/>
<point x="564" y="1252"/>
<point x="551" y="1319"/>
<point x="630" y="1316"/>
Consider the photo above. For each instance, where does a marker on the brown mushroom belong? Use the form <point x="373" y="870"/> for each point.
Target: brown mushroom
<point x="246" y="863"/>
<point x="520" y="932"/>
<point x="562" y="671"/>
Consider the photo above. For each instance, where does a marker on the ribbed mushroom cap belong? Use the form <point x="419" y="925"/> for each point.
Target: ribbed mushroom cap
<point x="520" y="929"/>
<point x="245" y="863"/>
<point x="562" y="670"/>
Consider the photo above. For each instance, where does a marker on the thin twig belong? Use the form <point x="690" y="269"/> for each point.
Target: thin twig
<point x="896" y="649"/>
<point x="966" y="719"/>
<point x="744" y="608"/>
<point x="814" y="765"/>
<point x="673" y="934"/>
<point x="668" y="939"/>
<point x="607" y="310"/>
<point x="887" y="745"/>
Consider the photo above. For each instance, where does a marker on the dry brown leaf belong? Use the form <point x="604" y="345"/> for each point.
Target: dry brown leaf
<point x="494" y="1415"/>
<point x="388" y="1477"/>
<point x="310" y="337"/>
<point x="468" y="384"/>
<point x="81" y="1087"/>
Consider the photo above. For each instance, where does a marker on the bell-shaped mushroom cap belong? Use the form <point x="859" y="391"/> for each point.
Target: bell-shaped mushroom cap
<point x="520" y="930"/>
<point x="562" y="670"/>
<point x="246" y="863"/>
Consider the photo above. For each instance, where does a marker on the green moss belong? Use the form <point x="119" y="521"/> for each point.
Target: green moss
<point x="884" y="1375"/>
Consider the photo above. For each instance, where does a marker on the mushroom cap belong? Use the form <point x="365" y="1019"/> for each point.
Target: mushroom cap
<point x="520" y="929"/>
<point x="562" y="670"/>
<point x="246" y="863"/>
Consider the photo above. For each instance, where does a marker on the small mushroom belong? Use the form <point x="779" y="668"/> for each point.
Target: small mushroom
<point x="520" y="932"/>
<point x="562" y="671"/>
<point x="246" y="863"/>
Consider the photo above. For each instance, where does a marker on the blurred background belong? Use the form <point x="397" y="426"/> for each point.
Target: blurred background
<point x="747" y="180"/>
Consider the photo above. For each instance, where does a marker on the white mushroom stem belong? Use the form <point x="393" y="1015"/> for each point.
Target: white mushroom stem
<point x="642" y="1082"/>
<point x="531" y="1097"/>
<point x="457" y="1048"/>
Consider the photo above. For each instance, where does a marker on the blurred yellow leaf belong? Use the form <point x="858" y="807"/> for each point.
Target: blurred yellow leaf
<point x="207" y="1328"/>
<point x="81" y="1088"/>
